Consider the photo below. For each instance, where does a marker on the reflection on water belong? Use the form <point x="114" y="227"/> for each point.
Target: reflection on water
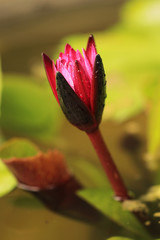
<point x="24" y="217"/>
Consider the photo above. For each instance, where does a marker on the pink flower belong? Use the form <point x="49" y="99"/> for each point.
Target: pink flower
<point x="78" y="83"/>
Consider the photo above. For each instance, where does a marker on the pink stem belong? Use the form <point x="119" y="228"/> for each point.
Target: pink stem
<point x="108" y="165"/>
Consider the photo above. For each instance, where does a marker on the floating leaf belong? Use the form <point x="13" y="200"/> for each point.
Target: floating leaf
<point x="28" y="109"/>
<point x="42" y="171"/>
<point x="7" y="181"/>
<point x="102" y="199"/>
<point x="33" y="168"/>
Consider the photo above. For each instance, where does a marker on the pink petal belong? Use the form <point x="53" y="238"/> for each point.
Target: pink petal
<point x="81" y="60"/>
<point x="88" y="66"/>
<point x="66" y="74"/>
<point x="58" y="64"/>
<point x="70" y="68"/>
<point x="50" y="71"/>
<point x="91" y="50"/>
<point x="64" y="62"/>
<point x="63" y="56"/>
<point x="79" y="57"/>
<point x="67" y="49"/>
<point x="82" y="86"/>
<point x="72" y="54"/>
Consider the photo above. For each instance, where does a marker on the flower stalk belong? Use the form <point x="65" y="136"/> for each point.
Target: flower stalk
<point x="108" y="165"/>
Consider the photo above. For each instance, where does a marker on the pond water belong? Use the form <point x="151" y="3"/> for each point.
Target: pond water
<point x="24" y="217"/>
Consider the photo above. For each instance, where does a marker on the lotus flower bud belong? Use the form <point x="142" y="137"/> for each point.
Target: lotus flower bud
<point x="79" y="85"/>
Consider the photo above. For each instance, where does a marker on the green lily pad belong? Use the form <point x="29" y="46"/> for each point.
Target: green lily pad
<point x="7" y="180"/>
<point x="102" y="199"/>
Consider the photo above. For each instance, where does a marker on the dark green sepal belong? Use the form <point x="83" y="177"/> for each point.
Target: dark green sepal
<point x="100" y="88"/>
<point x="74" y="109"/>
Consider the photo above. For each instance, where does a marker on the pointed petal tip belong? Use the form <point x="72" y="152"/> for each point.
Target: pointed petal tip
<point x="91" y="40"/>
<point x="91" y="50"/>
<point x="68" y="45"/>
<point x="91" y="36"/>
<point x="44" y="55"/>
<point x="46" y="58"/>
<point x="67" y="49"/>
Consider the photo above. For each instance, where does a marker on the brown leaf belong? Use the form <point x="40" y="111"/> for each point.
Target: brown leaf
<point x="42" y="171"/>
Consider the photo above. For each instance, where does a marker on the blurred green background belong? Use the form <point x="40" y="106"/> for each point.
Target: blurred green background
<point x="128" y="39"/>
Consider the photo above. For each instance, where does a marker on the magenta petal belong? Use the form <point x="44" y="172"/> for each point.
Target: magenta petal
<point x="91" y="50"/>
<point x="79" y="57"/>
<point x="50" y="71"/>
<point x="63" y="56"/>
<point x="67" y="75"/>
<point x="72" y="55"/>
<point x="89" y="69"/>
<point x="67" y="49"/>
<point x="81" y="60"/>
<point x="81" y="83"/>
